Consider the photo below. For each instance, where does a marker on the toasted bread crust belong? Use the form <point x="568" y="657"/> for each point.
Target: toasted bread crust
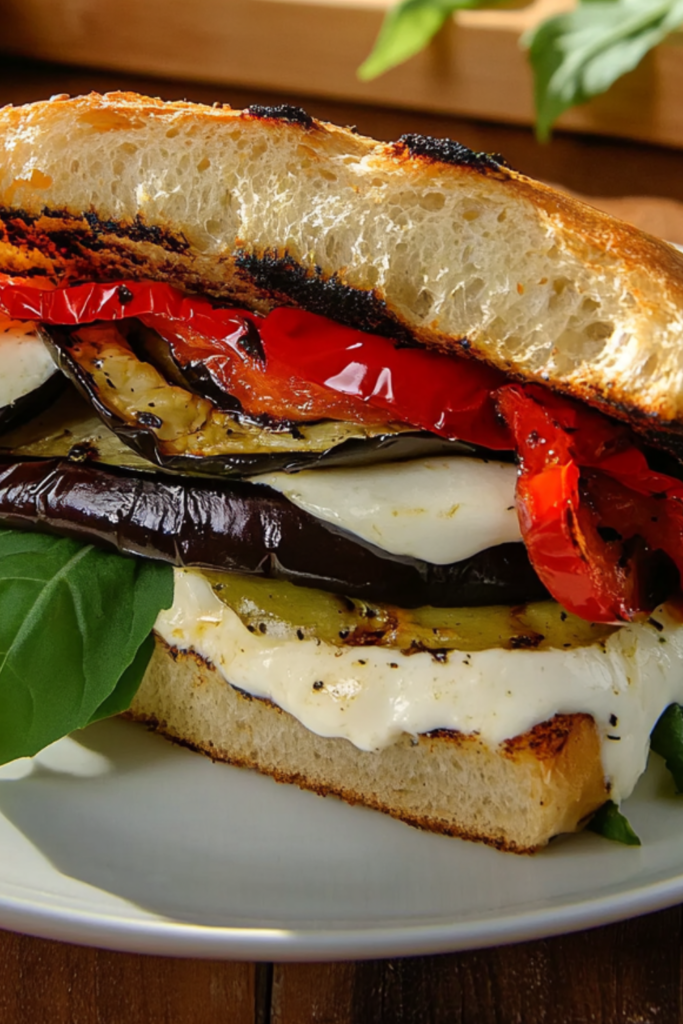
<point x="420" y="239"/>
<point x="515" y="797"/>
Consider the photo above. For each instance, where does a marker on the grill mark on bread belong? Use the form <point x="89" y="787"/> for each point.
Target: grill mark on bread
<point x="63" y="233"/>
<point x="547" y="739"/>
<point x="447" y="151"/>
<point x="281" y="275"/>
<point x="282" y="112"/>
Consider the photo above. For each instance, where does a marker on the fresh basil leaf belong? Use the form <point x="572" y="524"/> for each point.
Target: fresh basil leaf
<point x="408" y="27"/>
<point x="580" y="54"/>
<point x="72" y="620"/>
<point x="667" y="741"/>
<point x="128" y="685"/>
<point x="609" y="822"/>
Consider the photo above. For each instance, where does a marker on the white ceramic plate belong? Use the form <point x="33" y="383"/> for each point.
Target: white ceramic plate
<point x="116" y="838"/>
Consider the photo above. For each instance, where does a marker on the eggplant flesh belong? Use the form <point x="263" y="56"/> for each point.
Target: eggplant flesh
<point x="29" y="378"/>
<point x="247" y="529"/>
<point x="70" y="429"/>
<point x="176" y="429"/>
<point x="275" y="607"/>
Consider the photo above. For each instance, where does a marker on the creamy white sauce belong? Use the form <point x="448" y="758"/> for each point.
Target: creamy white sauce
<point x="441" y="509"/>
<point x="26" y="362"/>
<point x="372" y="695"/>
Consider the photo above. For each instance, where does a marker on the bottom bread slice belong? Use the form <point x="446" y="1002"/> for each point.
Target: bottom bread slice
<point x="515" y="796"/>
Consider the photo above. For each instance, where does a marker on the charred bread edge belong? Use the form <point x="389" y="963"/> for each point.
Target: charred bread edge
<point x="555" y="767"/>
<point x="70" y="244"/>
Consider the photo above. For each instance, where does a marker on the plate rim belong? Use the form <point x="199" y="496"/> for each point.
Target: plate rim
<point x="165" y="937"/>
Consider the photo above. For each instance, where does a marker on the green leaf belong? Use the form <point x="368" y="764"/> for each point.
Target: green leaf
<point x="580" y="54"/>
<point x="128" y="685"/>
<point x="72" y="621"/>
<point x="407" y="28"/>
<point x="609" y="822"/>
<point x="667" y="741"/>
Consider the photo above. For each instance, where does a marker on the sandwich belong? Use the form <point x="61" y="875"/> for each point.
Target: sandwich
<point x="355" y="463"/>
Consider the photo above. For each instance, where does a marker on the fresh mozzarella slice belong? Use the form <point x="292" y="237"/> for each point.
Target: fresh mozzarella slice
<point x="25" y="362"/>
<point x="441" y="510"/>
<point x="373" y="695"/>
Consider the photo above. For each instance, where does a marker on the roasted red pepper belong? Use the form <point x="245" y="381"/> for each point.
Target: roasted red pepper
<point x="445" y="394"/>
<point x="263" y="386"/>
<point x="598" y="524"/>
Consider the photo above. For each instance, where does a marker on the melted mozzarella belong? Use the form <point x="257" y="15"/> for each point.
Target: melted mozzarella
<point x="439" y="510"/>
<point x="24" y="360"/>
<point x="372" y="695"/>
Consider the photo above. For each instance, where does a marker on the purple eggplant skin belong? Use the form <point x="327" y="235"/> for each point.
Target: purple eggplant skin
<point x="245" y="528"/>
<point x="27" y="406"/>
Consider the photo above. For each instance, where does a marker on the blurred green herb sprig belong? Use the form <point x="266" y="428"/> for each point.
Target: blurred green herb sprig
<point x="574" y="56"/>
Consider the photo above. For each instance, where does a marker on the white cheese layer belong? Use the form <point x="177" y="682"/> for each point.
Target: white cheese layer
<point x="441" y="510"/>
<point x="26" y="362"/>
<point x="372" y="695"/>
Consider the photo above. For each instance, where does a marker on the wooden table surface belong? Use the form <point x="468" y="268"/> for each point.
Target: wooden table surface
<point x="628" y="973"/>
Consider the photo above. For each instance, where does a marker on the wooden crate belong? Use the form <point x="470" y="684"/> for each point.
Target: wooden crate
<point x="475" y="68"/>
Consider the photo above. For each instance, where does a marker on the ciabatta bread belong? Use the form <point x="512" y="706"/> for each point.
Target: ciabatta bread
<point x="420" y="238"/>
<point x="515" y="797"/>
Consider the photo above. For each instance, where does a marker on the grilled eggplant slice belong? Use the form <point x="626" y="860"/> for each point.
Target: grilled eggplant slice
<point x="69" y="429"/>
<point x="246" y="528"/>
<point x="29" y="380"/>
<point x="275" y="607"/>
<point x="176" y="429"/>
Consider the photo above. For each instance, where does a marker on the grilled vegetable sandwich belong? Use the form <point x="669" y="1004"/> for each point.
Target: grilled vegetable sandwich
<point x="355" y="463"/>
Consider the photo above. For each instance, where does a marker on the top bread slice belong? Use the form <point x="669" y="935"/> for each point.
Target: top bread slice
<point x="421" y="238"/>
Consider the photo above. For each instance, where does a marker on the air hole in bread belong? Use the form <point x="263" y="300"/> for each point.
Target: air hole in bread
<point x="561" y="289"/>
<point x="432" y="201"/>
<point x="599" y="331"/>
<point x="172" y="132"/>
<point x="214" y="228"/>
<point x="203" y="164"/>
<point x="471" y="214"/>
<point x="474" y="288"/>
<point x="371" y="274"/>
<point x="651" y="366"/>
<point x="423" y="303"/>
<point x="331" y="245"/>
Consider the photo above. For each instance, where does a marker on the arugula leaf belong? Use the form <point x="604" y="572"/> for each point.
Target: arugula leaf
<point x="609" y="822"/>
<point x="74" y="628"/>
<point x="667" y="741"/>
<point x="580" y="54"/>
<point x="409" y="27"/>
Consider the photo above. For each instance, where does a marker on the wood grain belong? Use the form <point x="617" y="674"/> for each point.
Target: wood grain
<point x="474" y="68"/>
<point x="45" y="982"/>
<point x="627" y="973"/>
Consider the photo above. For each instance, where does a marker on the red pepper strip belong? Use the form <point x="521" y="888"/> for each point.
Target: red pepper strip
<point x="601" y="443"/>
<point x="592" y="538"/>
<point x="262" y="388"/>
<point x="85" y="303"/>
<point x="449" y="396"/>
<point x="430" y="390"/>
